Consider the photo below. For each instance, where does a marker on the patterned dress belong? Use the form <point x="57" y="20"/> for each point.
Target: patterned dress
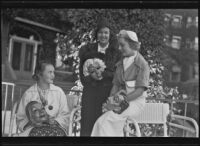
<point x="47" y="131"/>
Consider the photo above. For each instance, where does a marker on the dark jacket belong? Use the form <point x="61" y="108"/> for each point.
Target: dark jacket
<point x="111" y="57"/>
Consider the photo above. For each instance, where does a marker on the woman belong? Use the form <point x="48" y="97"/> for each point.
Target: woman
<point x="51" y="97"/>
<point x="97" y="86"/>
<point x="131" y="81"/>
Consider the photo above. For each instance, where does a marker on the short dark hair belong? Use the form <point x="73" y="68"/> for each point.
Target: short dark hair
<point x="103" y="22"/>
<point x="40" y="68"/>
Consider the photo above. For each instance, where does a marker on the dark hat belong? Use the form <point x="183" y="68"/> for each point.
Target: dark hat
<point x="102" y="22"/>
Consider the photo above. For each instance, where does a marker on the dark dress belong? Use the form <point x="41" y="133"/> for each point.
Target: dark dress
<point x="47" y="131"/>
<point x="95" y="92"/>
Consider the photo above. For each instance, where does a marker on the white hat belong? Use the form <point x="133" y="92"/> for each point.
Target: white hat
<point x="130" y="34"/>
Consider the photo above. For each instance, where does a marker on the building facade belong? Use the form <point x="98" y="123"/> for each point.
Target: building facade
<point x="181" y="41"/>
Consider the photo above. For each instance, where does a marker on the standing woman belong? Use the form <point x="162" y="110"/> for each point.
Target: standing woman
<point x="97" y="88"/>
<point x="43" y="101"/>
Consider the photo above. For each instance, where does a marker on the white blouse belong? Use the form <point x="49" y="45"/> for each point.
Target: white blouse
<point x="127" y="61"/>
<point x="102" y="49"/>
<point x="55" y="98"/>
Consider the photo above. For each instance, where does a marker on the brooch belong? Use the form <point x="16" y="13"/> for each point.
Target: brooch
<point x="50" y="107"/>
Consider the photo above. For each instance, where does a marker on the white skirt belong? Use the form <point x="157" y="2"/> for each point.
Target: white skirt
<point x="112" y="124"/>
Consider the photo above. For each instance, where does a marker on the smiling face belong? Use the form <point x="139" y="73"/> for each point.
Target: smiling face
<point x="103" y="36"/>
<point x="47" y="75"/>
<point x="37" y="113"/>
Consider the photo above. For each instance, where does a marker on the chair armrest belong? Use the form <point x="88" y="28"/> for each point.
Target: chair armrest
<point x="13" y="117"/>
<point x="183" y="127"/>
<point x="127" y="128"/>
<point x="71" y="119"/>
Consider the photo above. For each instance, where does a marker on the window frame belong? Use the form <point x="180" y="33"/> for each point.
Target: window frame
<point x="24" y="41"/>
<point x="174" y="24"/>
<point x="178" y="71"/>
<point x="176" y="37"/>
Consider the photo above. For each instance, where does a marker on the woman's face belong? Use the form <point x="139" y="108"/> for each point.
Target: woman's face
<point x="47" y="76"/>
<point x="124" y="47"/>
<point x="38" y="113"/>
<point x="103" y="35"/>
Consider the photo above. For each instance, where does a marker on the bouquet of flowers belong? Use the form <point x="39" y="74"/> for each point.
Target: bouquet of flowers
<point x="94" y="65"/>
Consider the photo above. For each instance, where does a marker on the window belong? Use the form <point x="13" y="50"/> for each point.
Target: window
<point x="29" y="57"/>
<point x="17" y="47"/>
<point x="196" y="43"/>
<point x="22" y="55"/>
<point x="167" y="18"/>
<point x="196" y="70"/>
<point x="176" y="73"/>
<point x="176" y="42"/>
<point x="189" y="22"/>
<point x="188" y="43"/>
<point x="196" y="21"/>
<point x="176" y="21"/>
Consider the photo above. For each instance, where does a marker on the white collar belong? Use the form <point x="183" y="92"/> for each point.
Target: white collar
<point x="127" y="61"/>
<point x="102" y="49"/>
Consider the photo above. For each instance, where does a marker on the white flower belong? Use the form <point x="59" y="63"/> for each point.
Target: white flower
<point x="95" y="63"/>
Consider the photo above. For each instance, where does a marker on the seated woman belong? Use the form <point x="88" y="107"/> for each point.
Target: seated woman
<point x="43" y="109"/>
<point x="128" y="94"/>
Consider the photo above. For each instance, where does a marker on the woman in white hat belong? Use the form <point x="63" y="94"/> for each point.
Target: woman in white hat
<point x="132" y="78"/>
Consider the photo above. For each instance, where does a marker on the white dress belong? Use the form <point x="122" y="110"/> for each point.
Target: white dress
<point x="112" y="124"/>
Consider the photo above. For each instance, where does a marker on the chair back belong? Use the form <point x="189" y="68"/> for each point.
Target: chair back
<point x="72" y="101"/>
<point x="153" y="113"/>
<point x="7" y="105"/>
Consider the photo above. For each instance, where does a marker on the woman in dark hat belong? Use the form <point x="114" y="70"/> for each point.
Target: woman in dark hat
<point x="97" y="88"/>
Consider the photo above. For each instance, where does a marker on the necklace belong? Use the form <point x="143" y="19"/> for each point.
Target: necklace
<point x="42" y="95"/>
